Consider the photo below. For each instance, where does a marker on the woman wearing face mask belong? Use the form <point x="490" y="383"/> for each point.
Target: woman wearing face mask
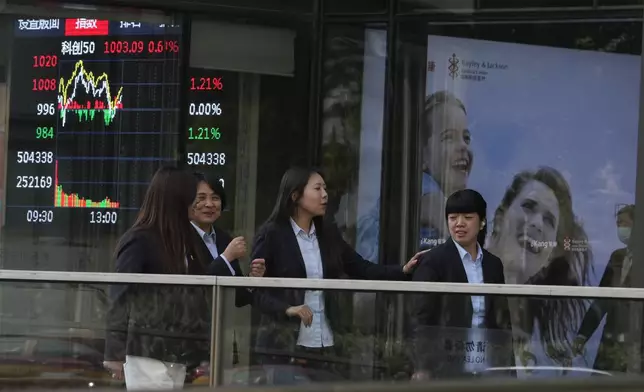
<point x="304" y="327"/>
<point x="617" y="274"/>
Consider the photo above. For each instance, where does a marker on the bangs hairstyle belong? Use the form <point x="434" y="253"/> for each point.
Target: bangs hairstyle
<point x="468" y="201"/>
<point x="628" y="209"/>
<point x="214" y="184"/>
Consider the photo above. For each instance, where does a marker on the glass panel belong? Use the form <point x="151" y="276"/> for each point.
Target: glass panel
<point x="620" y="2"/>
<point x="352" y="126"/>
<point x="58" y="335"/>
<point x="305" y="6"/>
<point x="356" y="6"/>
<point x="570" y="214"/>
<point x="558" y="170"/>
<point x="92" y="113"/>
<point x="430" y="5"/>
<point x="534" y="3"/>
<point x="352" y="123"/>
<point x="248" y="113"/>
<point x="443" y="5"/>
<point x="580" y="338"/>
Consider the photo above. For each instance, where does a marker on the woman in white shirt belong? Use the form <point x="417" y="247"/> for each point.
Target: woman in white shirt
<point x="302" y="326"/>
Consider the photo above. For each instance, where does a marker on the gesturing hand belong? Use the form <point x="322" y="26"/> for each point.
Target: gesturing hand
<point x="236" y="249"/>
<point x="411" y="264"/>
<point x="257" y="268"/>
<point x="303" y="312"/>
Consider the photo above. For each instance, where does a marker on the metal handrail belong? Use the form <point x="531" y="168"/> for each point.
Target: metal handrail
<point x="110" y="278"/>
<point x="589" y="384"/>
<point x="323" y="284"/>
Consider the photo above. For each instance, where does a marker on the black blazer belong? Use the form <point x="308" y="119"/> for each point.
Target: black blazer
<point x="428" y="311"/>
<point x="277" y="244"/>
<point x="218" y="267"/>
<point x="616" y="312"/>
<point x="169" y="323"/>
<point x="164" y="322"/>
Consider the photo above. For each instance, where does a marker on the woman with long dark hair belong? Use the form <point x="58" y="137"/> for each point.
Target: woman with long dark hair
<point x="297" y="242"/>
<point x="156" y="333"/>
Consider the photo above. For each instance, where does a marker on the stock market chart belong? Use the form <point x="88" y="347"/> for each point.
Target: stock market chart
<point x="94" y="112"/>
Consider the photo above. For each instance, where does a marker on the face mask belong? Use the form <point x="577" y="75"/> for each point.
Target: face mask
<point x="624" y="234"/>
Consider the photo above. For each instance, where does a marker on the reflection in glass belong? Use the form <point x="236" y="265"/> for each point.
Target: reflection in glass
<point x="550" y="222"/>
<point x="43" y="346"/>
<point x="617" y="274"/>
<point x="534" y="232"/>
<point x="449" y="347"/>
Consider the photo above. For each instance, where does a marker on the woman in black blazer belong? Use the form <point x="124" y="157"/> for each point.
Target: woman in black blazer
<point x="296" y="242"/>
<point x="156" y="332"/>
<point x="221" y="251"/>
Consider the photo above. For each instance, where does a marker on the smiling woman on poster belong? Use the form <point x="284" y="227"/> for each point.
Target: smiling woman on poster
<point x="446" y="158"/>
<point x="540" y="241"/>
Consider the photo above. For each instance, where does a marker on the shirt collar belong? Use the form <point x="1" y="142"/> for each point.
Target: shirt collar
<point x="297" y="229"/>
<point x="202" y="233"/>
<point x="463" y="253"/>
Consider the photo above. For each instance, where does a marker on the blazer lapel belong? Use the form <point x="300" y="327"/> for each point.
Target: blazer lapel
<point x="459" y="276"/>
<point x="458" y="271"/>
<point x="490" y="275"/>
<point x="204" y="252"/>
<point x="488" y="272"/>
<point x="293" y="249"/>
<point x="221" y="240"/>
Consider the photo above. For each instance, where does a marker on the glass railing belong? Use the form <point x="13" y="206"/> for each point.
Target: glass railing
<point x="57" y="333"/>
<point x="56" y="329"/>
<point x="391" y="331"/>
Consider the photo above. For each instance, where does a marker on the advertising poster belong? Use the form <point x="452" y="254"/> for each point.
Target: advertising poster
<point x="548" y="136"/>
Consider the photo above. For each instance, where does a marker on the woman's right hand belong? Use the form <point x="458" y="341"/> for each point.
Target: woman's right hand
<point x="116" y="368"/>
<point x="236" y="249"/>
<point x="303" y="312"/>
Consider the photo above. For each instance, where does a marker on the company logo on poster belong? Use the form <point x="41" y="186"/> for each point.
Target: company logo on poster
<point x="574" y="245"/>
<point x="471" y="70"/>
<point x="453" y="66"/>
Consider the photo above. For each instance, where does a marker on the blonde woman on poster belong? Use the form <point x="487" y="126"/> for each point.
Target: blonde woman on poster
<point x="537" y="236"/>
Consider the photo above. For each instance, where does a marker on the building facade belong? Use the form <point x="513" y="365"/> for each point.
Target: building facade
<point x="535" y="104"/>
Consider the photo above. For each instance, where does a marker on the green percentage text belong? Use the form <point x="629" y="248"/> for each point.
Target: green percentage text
<point x="204" y="133"/>
<point x="44" y="132"/>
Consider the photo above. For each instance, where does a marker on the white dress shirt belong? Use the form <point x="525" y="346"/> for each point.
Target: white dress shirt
<point x="626" y="267"/>
<point x="474" y="271"/>
<point x="319" y="333"/>
<point x="210" y="239"/>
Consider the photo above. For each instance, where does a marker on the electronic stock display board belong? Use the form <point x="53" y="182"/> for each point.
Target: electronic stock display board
<point x="95" y="110"/>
